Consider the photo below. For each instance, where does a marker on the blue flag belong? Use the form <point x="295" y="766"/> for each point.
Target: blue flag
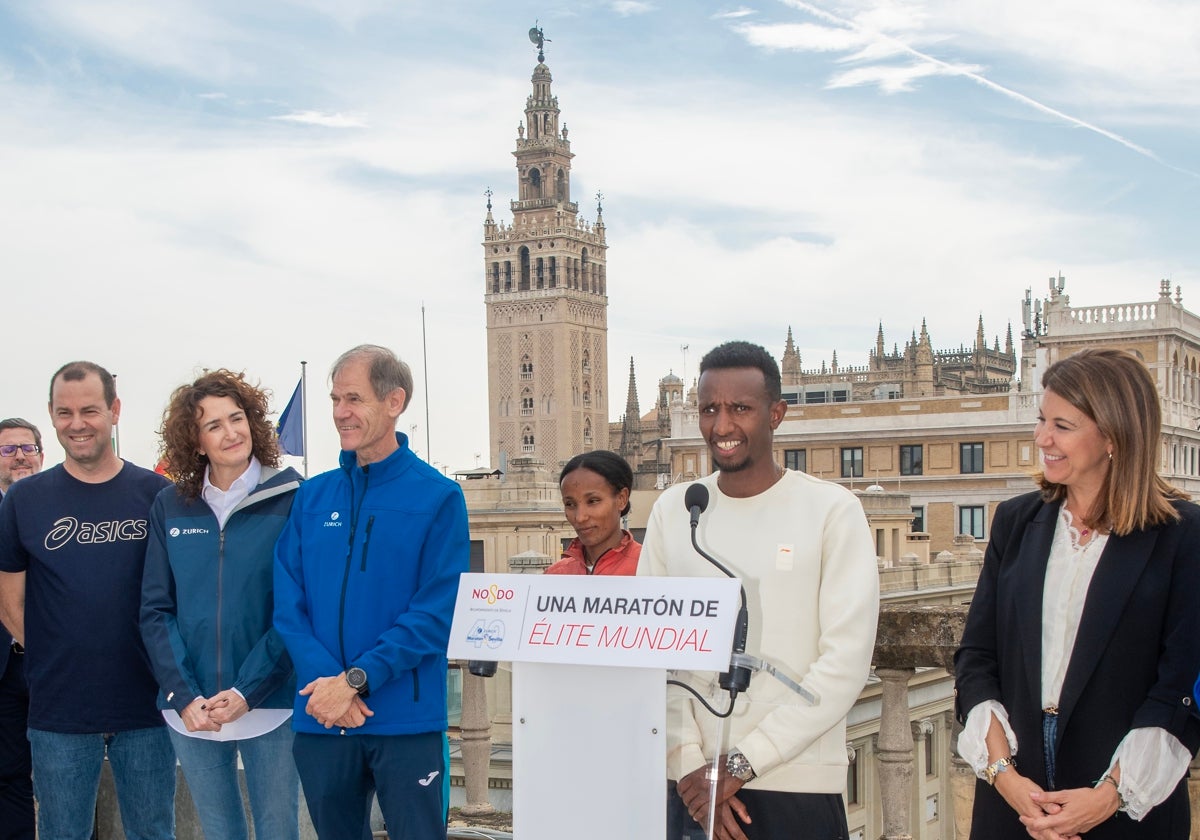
<point x="291" y="424"/>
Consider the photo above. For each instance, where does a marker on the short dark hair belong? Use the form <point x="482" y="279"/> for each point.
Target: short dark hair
<point x="608" y="465"/>
<point x="22" y="423"/>
<point x="79" y="371"/>
<point x="385" y="369"/>
<point x="743" y="354"/>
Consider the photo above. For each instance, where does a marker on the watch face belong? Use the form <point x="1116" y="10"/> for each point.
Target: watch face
<point x="357" y="677"/>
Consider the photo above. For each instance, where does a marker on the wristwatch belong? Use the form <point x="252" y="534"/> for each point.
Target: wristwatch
<point x="997" y="767"/>
<point x="357" y="679"/>
<point x="738" y="766"/>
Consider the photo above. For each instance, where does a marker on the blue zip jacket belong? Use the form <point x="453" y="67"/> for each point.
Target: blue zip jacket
<point x="218" y="635"/>
<point x="366" y="575"/>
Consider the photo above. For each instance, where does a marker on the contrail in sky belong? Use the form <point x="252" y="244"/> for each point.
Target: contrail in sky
<point x="828" y="17"/>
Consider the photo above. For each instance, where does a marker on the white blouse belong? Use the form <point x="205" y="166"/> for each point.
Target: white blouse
<point x="1152" y="760"/>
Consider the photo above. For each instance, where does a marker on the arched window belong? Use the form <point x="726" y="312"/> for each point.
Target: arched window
<point x="587" y="362"/>
<point x="587" y="433"/>
<point x="527" y="440"/>
<point x="524" y="257"/>
<point x="526" y="367"/>
<point x="526" y="403"/>
<point x="560" y="186"/>
<point x="535" y="183"/>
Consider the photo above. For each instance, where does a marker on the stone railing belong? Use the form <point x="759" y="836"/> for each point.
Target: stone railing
<point x="909" y="637"/>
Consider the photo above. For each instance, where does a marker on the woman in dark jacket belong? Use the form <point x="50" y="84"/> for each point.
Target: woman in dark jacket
<point x="227" y="681"/>
<point x="1083" y="638"/>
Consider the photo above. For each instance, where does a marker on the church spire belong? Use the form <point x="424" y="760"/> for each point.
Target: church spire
<point x="790" y="363"/>
<point x="631" y="399"/>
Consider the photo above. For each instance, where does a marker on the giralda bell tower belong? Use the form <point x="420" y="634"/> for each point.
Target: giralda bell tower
<point x="545" y="291"/>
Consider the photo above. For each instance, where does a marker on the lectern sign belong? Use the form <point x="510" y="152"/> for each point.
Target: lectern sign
<point x="644" y="622"/>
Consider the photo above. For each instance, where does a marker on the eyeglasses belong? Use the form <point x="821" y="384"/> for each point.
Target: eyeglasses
<point x="10" y="449"/>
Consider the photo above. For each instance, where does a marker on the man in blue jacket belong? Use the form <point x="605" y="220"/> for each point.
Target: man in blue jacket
<point x="366" y="572"/>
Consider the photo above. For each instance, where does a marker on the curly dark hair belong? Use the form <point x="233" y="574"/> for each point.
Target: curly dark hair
<point x="180" y="429"/>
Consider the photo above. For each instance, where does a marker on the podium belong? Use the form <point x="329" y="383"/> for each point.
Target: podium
<point x="589" y="659"/>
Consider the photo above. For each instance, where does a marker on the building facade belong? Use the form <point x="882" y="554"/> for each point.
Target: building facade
<point x="954" y="435"/>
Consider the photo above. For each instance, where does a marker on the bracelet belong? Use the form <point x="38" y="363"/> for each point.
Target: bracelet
<point x="1107" y="777"/>
<point x="997" y="767"/>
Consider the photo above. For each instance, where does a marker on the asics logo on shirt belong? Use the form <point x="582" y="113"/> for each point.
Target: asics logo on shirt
<point x="69" y="528"/>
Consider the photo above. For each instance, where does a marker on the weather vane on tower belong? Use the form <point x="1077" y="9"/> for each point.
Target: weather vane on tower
<point x="538" y="38"/>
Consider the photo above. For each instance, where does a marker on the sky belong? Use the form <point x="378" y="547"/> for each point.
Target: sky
<point x="188" y="185"/>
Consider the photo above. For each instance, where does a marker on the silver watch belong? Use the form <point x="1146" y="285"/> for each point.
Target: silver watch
<point x="738" y="766"/>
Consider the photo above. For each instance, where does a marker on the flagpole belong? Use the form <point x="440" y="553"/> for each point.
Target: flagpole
<point x="304" y="411"/>
<point x="425" y="364"/>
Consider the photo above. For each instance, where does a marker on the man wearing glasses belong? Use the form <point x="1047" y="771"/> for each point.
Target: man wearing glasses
<point x="20" y="456"/>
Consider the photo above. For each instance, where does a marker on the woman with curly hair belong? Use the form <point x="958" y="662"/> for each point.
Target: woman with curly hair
<point x="207" y="598"/>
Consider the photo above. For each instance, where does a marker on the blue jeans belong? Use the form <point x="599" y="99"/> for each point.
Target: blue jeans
<point x="211" y="770"/>
<point x="66" y="776"/>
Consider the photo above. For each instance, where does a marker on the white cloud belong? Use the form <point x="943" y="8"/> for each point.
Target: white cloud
<point x="336" y="120"/>
<point x="213" y="95"/>
<point x="893" y="78"/>
<point x="734" y="14"/>
<point x="803" y="37"/>
<point x="628" y="8"/>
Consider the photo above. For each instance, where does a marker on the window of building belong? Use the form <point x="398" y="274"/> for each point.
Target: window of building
<point x="912" y="460"/>
<point x="918" y="520"/>
<point x="971" y="520"/>
<point x="970" y="457"/>
<point x="852" y="462"/>
<point x="454" y="696"/>
<point x="526" y="368"/>
<point x="527" y="440"/>
<point x="526" y="406"/>
<point x="854" y="779"/>
<point x="796" y="459"/>
<point x="930" y="753"/>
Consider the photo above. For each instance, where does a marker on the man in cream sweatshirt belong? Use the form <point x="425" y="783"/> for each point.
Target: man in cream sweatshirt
<point x="803" y="552"/>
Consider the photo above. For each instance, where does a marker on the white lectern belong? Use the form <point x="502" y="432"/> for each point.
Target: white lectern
<point x="590" y="656"/>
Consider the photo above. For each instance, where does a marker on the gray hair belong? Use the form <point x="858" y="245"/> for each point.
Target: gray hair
<point x="385" y="369"/>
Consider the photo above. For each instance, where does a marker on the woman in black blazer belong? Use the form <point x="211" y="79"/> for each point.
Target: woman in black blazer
<point x="1075" y="671"/>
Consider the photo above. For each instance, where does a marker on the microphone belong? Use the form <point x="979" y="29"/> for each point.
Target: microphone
<point x="737" y="678"/>
<point x="482" y="667"/>
<point x="696" y="501"/>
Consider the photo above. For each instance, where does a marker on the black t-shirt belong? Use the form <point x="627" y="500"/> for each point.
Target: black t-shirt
<point x="82" y="547"/>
